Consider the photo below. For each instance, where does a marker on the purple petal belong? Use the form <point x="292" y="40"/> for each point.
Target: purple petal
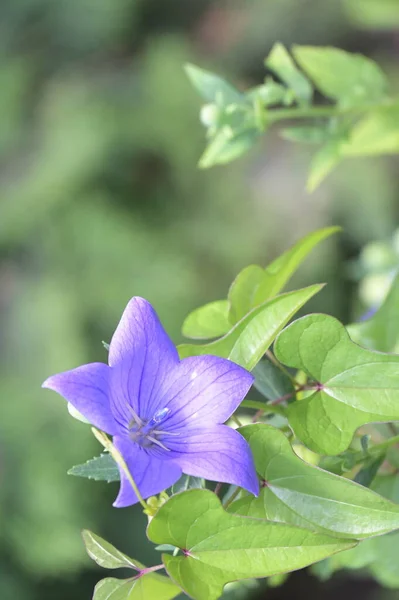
<point x="141" y="356"/>
<point x="86" y="388"/>
<point x="218" y="453"/>
<point x="150" y="474"/>
<point x="204" y="390"/>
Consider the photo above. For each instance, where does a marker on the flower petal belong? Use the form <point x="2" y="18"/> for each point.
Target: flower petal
<point x="218" y="453"/>
<point x="86" y="388"/>
<point x="205" y="390"/>
<point x="150" y="474"/>
<point x="141" y="356"/>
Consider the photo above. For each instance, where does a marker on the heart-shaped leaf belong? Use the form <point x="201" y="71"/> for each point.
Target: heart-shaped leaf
<point x="218" y="547"/>
<point x="246" y="343"/>
<point x="301" y="494"/>
<point x="353" y="386"/>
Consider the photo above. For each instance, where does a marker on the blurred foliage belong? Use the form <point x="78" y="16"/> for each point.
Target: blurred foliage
<point x="101" y="200"/>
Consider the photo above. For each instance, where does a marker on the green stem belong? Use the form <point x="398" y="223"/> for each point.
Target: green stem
<point x="236" y="419"/>
<point x="280" y="114"/>
<point x="256" y="405"/>
<point x="118" y="458"/>
<point x="232" y="498"/>
<point x="385" y="444"/>
<point x="377" y="449"/>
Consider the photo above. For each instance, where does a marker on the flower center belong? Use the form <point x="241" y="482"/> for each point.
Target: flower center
<point x="146" y="433"/>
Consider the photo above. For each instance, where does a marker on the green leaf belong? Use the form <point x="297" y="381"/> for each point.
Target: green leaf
<point x="249" y="339"/>
<point x="269" y="93"/>
<point x="228" y="144"/>
<point x="369" y="470"/>
<point x="219" y="547"/>
<point x="378" y="554"/>
<point x="145" y="587"/>
<point x="278" y="272"/>
<point x="281" y="63"/>
<point x="212" y="87"/>
<point x="208" y="321"/>
<point x="354" y="386"/>
<point x="242" y="291"/>
<point x="106" y="555"/>
<point x="324" y="161"/>
<point x="142" y="585"/>
<point x="302" y="494"/>
<point x="187" y="482"/>
<point x="270" y="381"/>
<point x="377" y="133"/>
<point x="346" y="77"/>
<point x="100" y="468"/>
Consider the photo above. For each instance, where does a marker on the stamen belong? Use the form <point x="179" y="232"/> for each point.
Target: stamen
<point x="158" y="432"/>
<point x="157" y="442"/>
<point x="136" y="419"/>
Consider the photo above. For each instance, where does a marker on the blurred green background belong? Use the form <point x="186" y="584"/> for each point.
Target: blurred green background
<point x="101" y="200"/>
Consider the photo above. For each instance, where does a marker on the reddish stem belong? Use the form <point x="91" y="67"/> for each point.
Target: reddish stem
<point x="148" y="570"/>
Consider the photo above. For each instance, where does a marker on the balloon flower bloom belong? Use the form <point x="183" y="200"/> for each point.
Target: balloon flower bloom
<point x="166" y="415"/>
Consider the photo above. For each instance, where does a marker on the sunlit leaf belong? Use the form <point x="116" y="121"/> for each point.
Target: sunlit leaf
<point x="146" y="587"/>
<point x="249" y="339"/>
<point x="353" y="386"/>
<point x="242" y="292"/>
<point x="377" y="133"/>
<point x="278" y="272"/>
<point x="141" y="586"/>
<point x="281" y="63"/>
<point x="302" y="494"/>
<point x="227" y="145"/>
<point x="324" y="161"/>
<point x="268" y="93"/>
<point x="346" y="77"/>
<point x="212" y="87"/>
<point x="218" y="547"/>
<point x="379" y="554"/>
<point x="106" y="555"/>
<point x="208" y="321"/>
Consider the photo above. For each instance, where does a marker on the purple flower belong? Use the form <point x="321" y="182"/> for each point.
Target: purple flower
<point x="165" y="414"/>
